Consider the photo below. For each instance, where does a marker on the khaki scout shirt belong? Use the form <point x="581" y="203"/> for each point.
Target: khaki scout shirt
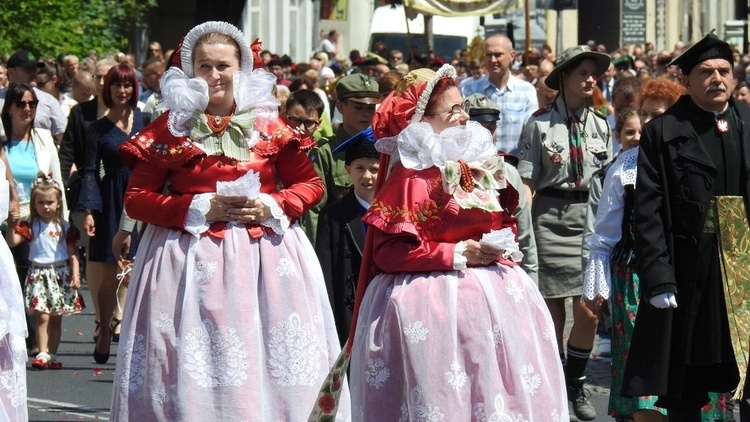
<point x="545" y="147"/>
<point x="332" y="169"/>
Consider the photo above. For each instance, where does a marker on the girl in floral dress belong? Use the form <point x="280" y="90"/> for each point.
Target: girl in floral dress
<point x="53" y="279"/>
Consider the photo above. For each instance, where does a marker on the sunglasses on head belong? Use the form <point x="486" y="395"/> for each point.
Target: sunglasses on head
<point x="22" y="104"/>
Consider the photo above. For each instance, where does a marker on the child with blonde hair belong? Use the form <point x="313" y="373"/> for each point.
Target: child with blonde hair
<point x="53" y="279"/>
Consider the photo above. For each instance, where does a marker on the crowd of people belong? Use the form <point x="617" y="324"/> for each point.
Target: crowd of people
<point x="361" y="238"/>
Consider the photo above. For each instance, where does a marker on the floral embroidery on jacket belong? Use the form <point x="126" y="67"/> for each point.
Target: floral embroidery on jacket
<point x="419" y="213"/>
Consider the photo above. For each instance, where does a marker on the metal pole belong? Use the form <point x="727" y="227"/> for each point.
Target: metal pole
<point x="527" y="8"/>
<point x="559" y="47"/>
<point x="316" y="25"/>
<point x="408" y="38"/>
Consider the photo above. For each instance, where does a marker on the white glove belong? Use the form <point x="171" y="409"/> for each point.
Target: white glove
<point x="664" y="301"/>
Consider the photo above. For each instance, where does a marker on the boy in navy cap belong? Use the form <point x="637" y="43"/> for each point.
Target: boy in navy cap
<point x="341" y="234"/>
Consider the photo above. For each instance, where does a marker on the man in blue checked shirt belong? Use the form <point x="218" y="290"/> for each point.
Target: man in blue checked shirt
<point x="516" y="98"/>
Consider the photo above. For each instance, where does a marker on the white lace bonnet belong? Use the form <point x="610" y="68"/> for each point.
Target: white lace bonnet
<point x="188" y="44"/>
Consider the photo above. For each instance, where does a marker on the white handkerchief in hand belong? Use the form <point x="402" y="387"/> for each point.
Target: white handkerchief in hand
<point x="505" y="240"/>
<point x="247" y="186"/>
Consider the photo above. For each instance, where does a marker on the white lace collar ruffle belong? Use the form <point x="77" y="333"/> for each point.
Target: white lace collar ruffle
<point x="418" y="147"/>
<point x="182" y="95"/>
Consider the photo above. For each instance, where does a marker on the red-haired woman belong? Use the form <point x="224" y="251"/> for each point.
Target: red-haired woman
<point x="104" y="179"/>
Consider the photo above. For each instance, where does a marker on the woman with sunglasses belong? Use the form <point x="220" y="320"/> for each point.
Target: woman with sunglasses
<point x="29" y="150"/>
<point x="104" y="178"/>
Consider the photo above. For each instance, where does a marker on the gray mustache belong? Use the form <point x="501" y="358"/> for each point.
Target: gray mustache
<point x="717" y="88"/>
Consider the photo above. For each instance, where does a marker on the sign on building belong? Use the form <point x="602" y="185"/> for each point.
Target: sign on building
<point x="633" y="22"/>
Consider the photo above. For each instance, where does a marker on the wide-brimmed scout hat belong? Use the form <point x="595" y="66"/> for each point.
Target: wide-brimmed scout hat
<point x="570" y="58"/>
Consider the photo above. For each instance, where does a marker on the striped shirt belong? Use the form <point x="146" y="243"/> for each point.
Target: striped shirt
<point x="517" y="100"/>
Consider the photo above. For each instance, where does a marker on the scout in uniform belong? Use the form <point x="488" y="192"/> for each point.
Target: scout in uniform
<point x="357" y="95"/>
<point x="562" y="146"/>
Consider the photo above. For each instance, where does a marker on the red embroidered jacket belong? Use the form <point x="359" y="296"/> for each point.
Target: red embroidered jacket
<point x="159" y="159"/>
<point x="418" y="223"/>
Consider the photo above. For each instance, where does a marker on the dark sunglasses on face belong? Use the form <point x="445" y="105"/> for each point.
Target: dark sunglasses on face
<point x="22" y="104"/>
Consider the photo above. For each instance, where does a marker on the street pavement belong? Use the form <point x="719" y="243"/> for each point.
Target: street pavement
<point x="81" y="390"/>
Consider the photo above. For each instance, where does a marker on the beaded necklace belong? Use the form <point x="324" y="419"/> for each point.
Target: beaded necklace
<point x="218" y="124"/>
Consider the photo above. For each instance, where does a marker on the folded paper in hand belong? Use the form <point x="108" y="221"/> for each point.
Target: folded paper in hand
<point x="247" y="186"/>
<point x="505" y="240"/>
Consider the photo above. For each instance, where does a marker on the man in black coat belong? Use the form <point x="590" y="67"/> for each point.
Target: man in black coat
<point x="341" y="234"/>
<point x="697" y="150"/>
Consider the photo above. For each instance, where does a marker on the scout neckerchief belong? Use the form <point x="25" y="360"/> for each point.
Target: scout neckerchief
<point x="576" y="152"/>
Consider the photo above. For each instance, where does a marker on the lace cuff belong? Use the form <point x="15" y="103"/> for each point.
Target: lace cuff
<point x="278" y="221"/>
<point x="459" y="260"/>
<point x="597" y="278"/>
<point x="195" y="220"/>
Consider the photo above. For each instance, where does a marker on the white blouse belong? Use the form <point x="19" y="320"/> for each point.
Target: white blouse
<point x="608" y="225"/>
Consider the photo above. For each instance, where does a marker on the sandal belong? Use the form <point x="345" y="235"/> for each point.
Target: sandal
<point x="114" y="324"/>
<point x="41" y="361"/>
<point x="97" y="327"/>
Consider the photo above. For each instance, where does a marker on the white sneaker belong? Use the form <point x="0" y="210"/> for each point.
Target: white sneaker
<point x="602" y="348"/>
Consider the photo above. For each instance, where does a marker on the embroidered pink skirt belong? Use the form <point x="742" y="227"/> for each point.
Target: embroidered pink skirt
<point x="473" y="345"/>
<point x="237" y="329"/>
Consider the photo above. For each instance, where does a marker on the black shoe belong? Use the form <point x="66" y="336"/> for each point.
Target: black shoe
<point x="100" y="358"/>
<point x="578" y="398"/>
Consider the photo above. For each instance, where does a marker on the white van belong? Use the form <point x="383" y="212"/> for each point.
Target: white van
<point x="449" y="34"/>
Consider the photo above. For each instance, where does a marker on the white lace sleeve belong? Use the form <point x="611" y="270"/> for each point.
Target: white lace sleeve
<point x="195" y="220"/>
<point x="278" y="221"/>
<point x="597" y="278"/>
<point x="459" y="260"/>
<point x="607" y="232"/>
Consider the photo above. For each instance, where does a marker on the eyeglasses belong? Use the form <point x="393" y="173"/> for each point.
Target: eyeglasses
<point x="455" y="112"/>
<point x="22" y="104"/>
<point x="41" y="83"/>
<point x="308" y="123"/>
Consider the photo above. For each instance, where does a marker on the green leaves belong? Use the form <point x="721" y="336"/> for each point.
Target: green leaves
<point x="51" y="27"/>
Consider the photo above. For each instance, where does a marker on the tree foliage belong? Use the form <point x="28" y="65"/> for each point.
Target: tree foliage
<point x="51" y="27"/>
